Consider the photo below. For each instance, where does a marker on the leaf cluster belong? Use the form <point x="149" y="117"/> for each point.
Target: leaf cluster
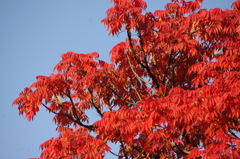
<point x="172" y="88"/>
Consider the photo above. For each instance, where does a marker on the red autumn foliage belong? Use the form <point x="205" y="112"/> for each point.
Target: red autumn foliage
<point x="172" y="89"/>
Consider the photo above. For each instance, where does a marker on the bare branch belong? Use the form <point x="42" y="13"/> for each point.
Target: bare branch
<point x="233" y="134"/>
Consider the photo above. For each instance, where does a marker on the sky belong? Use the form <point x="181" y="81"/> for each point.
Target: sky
<point x="33" y="35"/>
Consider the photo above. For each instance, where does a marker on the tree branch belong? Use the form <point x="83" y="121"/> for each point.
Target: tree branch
<point x="109" y="103"/>
<point x="94" y="104"/>
<point x="178" y="148"/>
<point x="124" y="152"/>
<point x="154" y="79"/>
<point x="90" y="127"/>
<point x="233" y="134"/>
<point x="129" y="61"/>
<point x="120" y="96"/>
<point x="115" y="154"/>
<point x="138" y="95"/>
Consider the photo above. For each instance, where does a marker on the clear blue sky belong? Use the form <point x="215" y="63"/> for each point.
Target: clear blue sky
<point x="33" y="35"/>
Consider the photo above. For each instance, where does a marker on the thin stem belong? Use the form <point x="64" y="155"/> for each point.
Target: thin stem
<point x="94" y="104"/>
<point x="128" y="59"/>
<point x="120" y="96"/>
<point x="146" y="62"/>
<point x="124" y="152"/>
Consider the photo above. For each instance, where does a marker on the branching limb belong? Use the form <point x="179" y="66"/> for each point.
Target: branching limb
<point x="128" y="59"/>
<point x="120" y="96"/>
<point x="75" y="117"/>
<point x="90" y="127"/>
<point x="93" y="102"/>
<point x="154" y="79"/>
<point x="124" y="151"/>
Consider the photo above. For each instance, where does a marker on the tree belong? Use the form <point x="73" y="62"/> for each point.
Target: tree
<point x="172" y="89"/>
